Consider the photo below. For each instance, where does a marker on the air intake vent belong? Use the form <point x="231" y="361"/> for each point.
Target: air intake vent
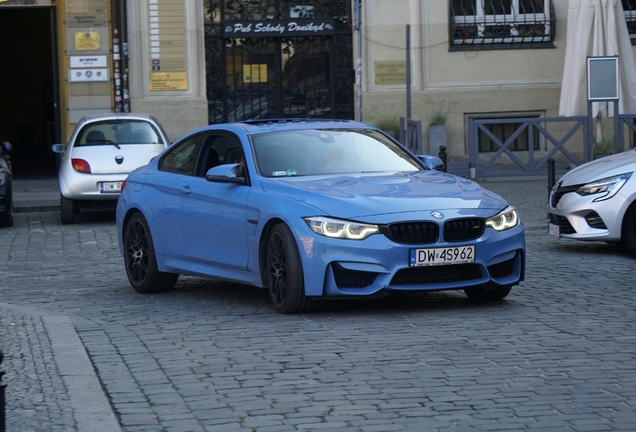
<point x="436" y="274"/>
<point x="413" y="232"/>
<point x="463" y="229"/>
<point x="352" y="278"/>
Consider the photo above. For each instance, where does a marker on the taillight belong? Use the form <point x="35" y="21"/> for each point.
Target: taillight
<point x="123" y="185"/>
<point x="80" y="165"/>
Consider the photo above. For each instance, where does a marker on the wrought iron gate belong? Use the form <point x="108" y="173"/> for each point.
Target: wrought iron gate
<point x="278" y="59"/>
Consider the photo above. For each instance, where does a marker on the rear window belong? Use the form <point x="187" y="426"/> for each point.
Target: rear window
<point x="120" y="132"/>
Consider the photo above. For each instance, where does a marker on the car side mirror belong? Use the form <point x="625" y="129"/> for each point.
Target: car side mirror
<point x="58" y="148"/>
<point x="226" y="173"/>
<point x="6" y="147"/>
<point x="432" y="162"/>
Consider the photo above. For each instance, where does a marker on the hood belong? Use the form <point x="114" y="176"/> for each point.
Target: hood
<point x="601" y="168"/>
<point x="369" y="195"/>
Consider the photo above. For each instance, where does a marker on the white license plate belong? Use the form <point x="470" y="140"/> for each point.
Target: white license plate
<point x="442" y="256"/>
<point x="110" y="187"/>
<point x="554" y="230"/>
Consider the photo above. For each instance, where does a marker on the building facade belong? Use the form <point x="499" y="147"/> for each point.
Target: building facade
<point x="196" y="62"/>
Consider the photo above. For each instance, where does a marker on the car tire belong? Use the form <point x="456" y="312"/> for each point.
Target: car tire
<point x="7" y="220"/>
<point x="487" y="292"/>
<point x="285" y="273"/>
<point x="628" y="230"/>
<point x="68" y="208"/>
<point x="140" y="260"/>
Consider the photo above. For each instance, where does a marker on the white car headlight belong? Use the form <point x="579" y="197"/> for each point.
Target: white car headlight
<point x="336" y="228"/>
<point x="607" y="187"/>
<point x="505" y="220"/>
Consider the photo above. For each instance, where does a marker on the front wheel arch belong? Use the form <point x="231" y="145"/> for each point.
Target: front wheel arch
<point x="140" y="258"/>
<point x="262" y="248"/>
<point x="284" y="272"/>
<point x="628" y="228"/>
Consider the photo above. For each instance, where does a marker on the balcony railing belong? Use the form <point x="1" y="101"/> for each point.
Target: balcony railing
<point x="505" y="27"/>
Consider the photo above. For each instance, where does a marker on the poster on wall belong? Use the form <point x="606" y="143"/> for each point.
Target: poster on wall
<point x="88" y="75"/>
<point x="167" y="46"/>
<point x="88" y="61"/>
<point x="389" y="72"/>
<point x="161" y="81"/>
<point x="87" y="41"/>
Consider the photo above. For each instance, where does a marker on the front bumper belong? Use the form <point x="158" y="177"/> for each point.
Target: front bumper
<point x="351" y="268"/>
<point x="580" y="218"/>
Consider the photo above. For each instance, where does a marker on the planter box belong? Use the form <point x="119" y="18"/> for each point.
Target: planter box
<point x="436" y="138"/>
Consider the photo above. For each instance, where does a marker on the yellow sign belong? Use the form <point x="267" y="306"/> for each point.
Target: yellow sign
<point x="87" y="41"/>
<point x="254" y="73"/>
<point x="390" y="72"/>
<point x="168" y="81"/>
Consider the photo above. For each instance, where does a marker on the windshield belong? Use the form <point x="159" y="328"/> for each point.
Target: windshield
<point x="317" y="152"/>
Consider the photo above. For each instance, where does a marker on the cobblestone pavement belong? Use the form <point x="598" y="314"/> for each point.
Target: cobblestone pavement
<point x="558" y="354"/>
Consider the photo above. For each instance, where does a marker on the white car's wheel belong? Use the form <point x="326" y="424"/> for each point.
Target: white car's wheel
<point x="68" y="208"/>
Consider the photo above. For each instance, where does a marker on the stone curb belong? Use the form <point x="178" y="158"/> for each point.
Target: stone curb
<point x="91" y="409"/>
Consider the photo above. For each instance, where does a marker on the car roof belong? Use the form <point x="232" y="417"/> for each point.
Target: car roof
<point x="118" y="116"/>
<point x="277" y="125"/>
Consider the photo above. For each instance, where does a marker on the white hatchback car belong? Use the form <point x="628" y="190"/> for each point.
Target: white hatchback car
<point x="597" y="201"/>
<point x="101" y="153"/>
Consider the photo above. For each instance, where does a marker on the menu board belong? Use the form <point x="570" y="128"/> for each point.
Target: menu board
<point x="168" y="50"/>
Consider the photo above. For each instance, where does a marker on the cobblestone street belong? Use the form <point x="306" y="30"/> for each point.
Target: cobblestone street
<point x="558" y="354"/>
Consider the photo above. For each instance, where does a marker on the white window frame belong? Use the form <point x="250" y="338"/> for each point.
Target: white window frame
<point x="482" y="20"/>
<point x="630" y="15"/>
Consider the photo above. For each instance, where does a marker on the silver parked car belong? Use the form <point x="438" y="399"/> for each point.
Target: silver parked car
<point x="101" y="153"/>
<point x="597" y="201"/>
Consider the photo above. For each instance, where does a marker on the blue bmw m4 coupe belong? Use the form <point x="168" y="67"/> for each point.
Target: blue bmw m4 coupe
<point x="313" y="209"/>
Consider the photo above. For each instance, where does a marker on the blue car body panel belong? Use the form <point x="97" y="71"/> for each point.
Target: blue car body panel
<point x="218" y="229"/>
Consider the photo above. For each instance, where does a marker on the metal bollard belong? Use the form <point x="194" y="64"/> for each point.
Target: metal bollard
<point x="551" y="176"/>
<point x="3" y="423"/>
<point x="443" y="156"/>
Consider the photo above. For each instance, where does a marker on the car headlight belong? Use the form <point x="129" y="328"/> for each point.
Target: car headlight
<point x="607" y="187"/>
<point x="505" y="220"/>
<point x="336" y="228"/>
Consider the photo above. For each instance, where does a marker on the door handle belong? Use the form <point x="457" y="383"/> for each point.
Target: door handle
<point x="185" y="190"/>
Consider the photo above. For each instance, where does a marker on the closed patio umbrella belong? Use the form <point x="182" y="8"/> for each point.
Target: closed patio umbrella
<point x="596" y="28"/>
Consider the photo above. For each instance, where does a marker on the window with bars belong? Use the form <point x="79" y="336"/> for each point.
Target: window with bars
<point x="629" y="8"/>
<point x="498" y="24"/>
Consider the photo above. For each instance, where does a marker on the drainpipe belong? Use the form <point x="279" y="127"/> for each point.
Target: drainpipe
<point x="120" y="55"/>
<point x="114" y="20"/>
<point x="123" y="20"/>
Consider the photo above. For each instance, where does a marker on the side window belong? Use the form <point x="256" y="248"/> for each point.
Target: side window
<point x="218" y="150"/>
<point x="182" y="156"/>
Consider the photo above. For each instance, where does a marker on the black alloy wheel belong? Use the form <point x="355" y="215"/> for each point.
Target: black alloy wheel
<point x="140" y="259"/>
<point x="285" y="273"/>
